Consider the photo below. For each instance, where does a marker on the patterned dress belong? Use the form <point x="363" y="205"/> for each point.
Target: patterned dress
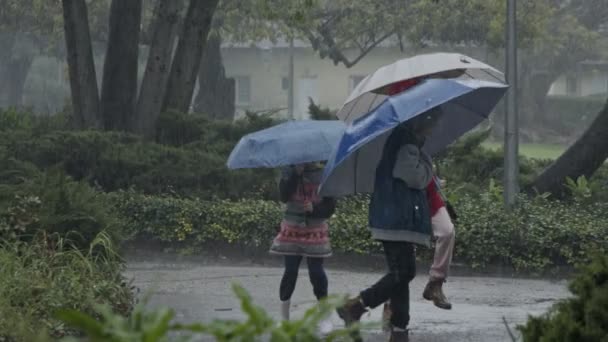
<point x="302" y="233"/>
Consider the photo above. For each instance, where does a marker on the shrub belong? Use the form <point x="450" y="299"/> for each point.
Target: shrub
<point x="467" y="161"/>
<point x="12" y="120"/>
<point x="249" y="222"/>
<point x="537" y="235"/>
<point x="178" y="129"/>
<point x="584" y="317"/>
<point x="116" y="161"/>
<point x="56" y="205"/>
<point x="37" y="279"/>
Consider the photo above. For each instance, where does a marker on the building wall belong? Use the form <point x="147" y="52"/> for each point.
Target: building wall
<point x="583" y="83"/>
<point x="264" y="72"/>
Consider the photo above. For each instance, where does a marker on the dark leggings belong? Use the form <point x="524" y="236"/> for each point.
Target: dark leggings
<point x="317" y="275"/>
<point x="394" y="286"/>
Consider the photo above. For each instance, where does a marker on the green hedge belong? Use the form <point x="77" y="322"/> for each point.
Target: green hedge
<point x="32" y="202"/>
<point x="114" y="161"/>
<point x="539" y="234"/>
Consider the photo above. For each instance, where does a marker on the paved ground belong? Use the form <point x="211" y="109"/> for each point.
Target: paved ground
<point x="201" y="292"/>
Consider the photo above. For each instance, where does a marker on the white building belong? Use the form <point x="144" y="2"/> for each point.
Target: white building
<point x="589" y="78"/>
<point x="261" y="74"/>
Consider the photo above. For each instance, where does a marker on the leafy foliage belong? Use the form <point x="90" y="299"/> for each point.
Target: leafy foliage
<point x="468" y="162"/>
<point x="537" y="235"/>
<point x="155" y="326"/>
<point x="55" y="205"/>
<point x="38" y="278"/>
<point x="114" y="161"/>
<point x="581" y="318"/>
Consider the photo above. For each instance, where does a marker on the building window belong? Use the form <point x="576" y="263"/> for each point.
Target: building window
<point x="571" y="85"/>
<point x="243" y="90"/>
<point x="353" y="81"/>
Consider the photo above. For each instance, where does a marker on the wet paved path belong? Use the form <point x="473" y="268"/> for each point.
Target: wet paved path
<point x="203" y="292"/>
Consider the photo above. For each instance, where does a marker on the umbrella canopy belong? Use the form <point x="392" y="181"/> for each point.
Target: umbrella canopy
<point x="292" y="142"/>
<point x="372" y="90"/>
<point x="464" y="103"/>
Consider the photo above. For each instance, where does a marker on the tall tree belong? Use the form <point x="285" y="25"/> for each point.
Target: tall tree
<point x="216" y="91"/>
<point x="83" y="79"/>
<point x="187" y="60"/>
<point x="583" y="158"/>
<point x="154" y="84"/>
<point x="119" y="87"/>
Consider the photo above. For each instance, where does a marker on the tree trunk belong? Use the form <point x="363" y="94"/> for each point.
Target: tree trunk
<point x="188" y="55"/>
<point x="119" y="87"/>
<point x="83" y="80"/>
<point x="583" y="158"/>
<point x="216" y="92"/>
<point x="156" y="76"/>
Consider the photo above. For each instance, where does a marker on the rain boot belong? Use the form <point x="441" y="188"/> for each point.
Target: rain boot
<point x="434" y="292"/>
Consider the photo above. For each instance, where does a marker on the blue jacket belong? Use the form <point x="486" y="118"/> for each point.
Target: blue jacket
<point x="399" y="211"/>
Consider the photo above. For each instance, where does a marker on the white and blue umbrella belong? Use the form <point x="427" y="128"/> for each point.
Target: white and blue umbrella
<point x="289" y="143"/>
<point x="464" y="104"/>
<point x="370" y="92"/>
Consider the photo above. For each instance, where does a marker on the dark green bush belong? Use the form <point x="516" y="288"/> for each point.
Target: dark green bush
<point x="12" y="120"/>
<point x="114" y="161"/>
<point x="537" y="235"/>
<point x="467" y="161"/>
<point x="56" y="205"/>
<point x="178" y="129"/>
<point x="582" y="318"/>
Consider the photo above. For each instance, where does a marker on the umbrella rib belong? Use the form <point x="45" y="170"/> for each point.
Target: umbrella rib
<point x="352" y="107"/>
<point x="372" y="103"/>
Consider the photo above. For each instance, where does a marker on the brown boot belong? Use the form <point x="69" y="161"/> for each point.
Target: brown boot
<point x="434" y="292"/>
<point x="351" y="311"/>
<point x="399" y="336"/>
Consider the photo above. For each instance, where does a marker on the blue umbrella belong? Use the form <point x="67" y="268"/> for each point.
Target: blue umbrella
<point x="292" y="142"/>
<point x="464" y="103"/>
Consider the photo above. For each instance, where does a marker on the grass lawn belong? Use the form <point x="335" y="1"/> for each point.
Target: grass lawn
<point x="539" y="151"/>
